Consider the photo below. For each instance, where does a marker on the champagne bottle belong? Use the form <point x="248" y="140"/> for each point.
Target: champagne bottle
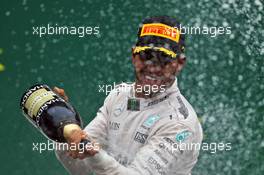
<point x="51" y="114"/>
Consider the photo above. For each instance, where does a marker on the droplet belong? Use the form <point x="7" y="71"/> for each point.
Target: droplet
<point x="2" y="67"/>
<point x="240" y="77"/>
<point x="8" y="13"/>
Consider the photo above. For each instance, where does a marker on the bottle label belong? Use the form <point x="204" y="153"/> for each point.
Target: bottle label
<point x="37" y="99"/>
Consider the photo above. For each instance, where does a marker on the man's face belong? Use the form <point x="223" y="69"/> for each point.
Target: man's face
<point x="152" y="70"/>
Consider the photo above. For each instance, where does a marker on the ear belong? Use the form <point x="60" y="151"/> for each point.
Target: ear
<point x="181" y="62"/>
<point x="178" y="64"/>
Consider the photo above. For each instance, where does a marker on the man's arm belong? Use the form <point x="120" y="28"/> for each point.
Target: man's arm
<point x="73" y="166"/>
<point x="97" y="131"/>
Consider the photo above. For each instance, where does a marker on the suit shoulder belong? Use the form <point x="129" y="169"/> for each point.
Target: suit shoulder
<point x="182" y="107"/>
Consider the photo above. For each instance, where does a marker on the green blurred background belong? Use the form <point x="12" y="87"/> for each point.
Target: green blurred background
<point x="223" y="78"/>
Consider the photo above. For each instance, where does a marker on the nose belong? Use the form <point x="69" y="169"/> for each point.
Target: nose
<point x="152" y="67"/>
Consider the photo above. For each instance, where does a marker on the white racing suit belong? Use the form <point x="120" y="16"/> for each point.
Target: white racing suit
<point x="156" y="136"/>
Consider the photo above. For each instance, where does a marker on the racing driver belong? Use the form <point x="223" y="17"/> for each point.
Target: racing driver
<point x="142" y="128"/>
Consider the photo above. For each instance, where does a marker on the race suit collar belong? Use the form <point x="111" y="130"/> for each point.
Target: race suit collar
<point x="143" y="103"/>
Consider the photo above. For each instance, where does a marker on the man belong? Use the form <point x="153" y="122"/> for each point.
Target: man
<point x="143" y="128"/>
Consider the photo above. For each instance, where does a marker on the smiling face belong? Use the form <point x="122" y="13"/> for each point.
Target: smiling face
<point x="153" y="70"/>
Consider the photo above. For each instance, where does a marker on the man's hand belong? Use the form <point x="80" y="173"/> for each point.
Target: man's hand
<point x="75" y="136"/>
<point x="61" y="93"/>
<point x="74" y="141"/>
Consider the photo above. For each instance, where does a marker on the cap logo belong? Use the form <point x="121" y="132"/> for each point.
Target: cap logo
<point x="161" y="30"/>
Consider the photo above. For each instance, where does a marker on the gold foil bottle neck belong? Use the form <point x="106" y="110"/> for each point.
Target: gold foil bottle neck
<point x="67" y="130"/>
